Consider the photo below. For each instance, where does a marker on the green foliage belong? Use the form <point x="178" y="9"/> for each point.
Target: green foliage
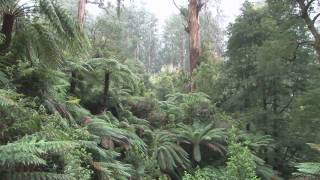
<point x="199" y="134"/>
<point x="239" y="153"/>
<point x="209" y="72"/>
<point x="309" y="169"/>
<point x="122" y="122"/>
<point x="164" y="86"/>
<point x="205" y="174"/>
<point x="194" y="106"/>
<point x="167" y="152"/>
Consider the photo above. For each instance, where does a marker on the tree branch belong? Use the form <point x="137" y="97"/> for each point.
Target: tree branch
<point x="179" y="8"/>
<point x="287" y="105"/>
<point x="100" y="3"/>
<point x="309" y="4"/>
<point x="201" y="4"/>
<point x="315" y="18"/>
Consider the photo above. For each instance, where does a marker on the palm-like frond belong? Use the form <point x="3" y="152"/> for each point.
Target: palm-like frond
<point x="120" y="73"/>
<point x="256" y="141"/>
<point x="99" y="153"/>
<point x="12" y="7"/>
<point x="167" y="152"/>
<point x="46" y="31"/>
<point x="62" y="22"/>
<point x="114" y="169"/>
<point x="188" y="98"/>
<point x="201" y="134"/>
<point x="126" y="138"/>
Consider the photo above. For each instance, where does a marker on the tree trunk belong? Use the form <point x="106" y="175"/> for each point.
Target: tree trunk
<point x="7" y="30"/>
<point x="314" y="32"/>
<point x="194" y="33"/>
<point x="118" y="8"/>
<point x="181" y="50"/>
<point x="81" y="15"/>
<point x="73" y="82"/>
<point x="81" y="11"/>
<point x="106" y="87"/>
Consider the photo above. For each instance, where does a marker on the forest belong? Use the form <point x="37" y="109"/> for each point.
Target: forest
<point x="118" y="96"/>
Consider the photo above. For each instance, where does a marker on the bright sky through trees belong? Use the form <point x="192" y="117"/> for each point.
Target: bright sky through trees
<point x="164" y="8"/>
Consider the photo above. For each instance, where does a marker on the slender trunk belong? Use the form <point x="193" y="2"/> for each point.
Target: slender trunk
<point x="81" y="15"/>
<point x="107" y="79"/>
<point x="275" y="111"/>
<point x="118" y="8"/>
<point x="181" y="50"/>
<point x="73" y="83"/>
<point x="264" y="95"/>
<point x="7" y="30"/>
<point x="150" y="53"/>
<point x="194" y="33"/>
<point x="82" y="11"/>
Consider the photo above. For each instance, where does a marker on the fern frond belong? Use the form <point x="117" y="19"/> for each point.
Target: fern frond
<point x="114" y="169"/>
<point x="311" y="169"/>
<point x="37" y="175"/>
<point x="168" y="154"/>
<point x="28" y="152"/>
<point x="8" y="98"/>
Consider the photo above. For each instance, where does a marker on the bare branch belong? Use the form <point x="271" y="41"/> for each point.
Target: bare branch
<point x="315" y="18"/>
<point x="180" y="9"/>
<point x="304" y="7"/>
<point x="309" y="4"/>
<point x="100" y="3"/>
<point x="186" y="28"/>
<point x="288" y="104"/>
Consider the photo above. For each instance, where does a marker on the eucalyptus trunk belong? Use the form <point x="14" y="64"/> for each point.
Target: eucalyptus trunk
<point x="82" y="11"/>
<point x="194" y="33"/>
<point x="80" y="17"/>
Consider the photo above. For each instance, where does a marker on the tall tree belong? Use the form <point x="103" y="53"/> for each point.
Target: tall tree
<point x="81" y="11"/>
<point x="269" y="68"/>
<point x="80" y="17"/>
<point x="193" y="29"/>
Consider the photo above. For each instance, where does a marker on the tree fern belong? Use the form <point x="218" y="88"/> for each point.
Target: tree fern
<point x="198" y="134"/>
<point x="120" y="73"/>
<point x="101" y="128"/>
<point x="167" y="152"/>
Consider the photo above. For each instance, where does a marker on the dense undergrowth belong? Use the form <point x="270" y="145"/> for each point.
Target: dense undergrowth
<point x="73" y="108"/>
